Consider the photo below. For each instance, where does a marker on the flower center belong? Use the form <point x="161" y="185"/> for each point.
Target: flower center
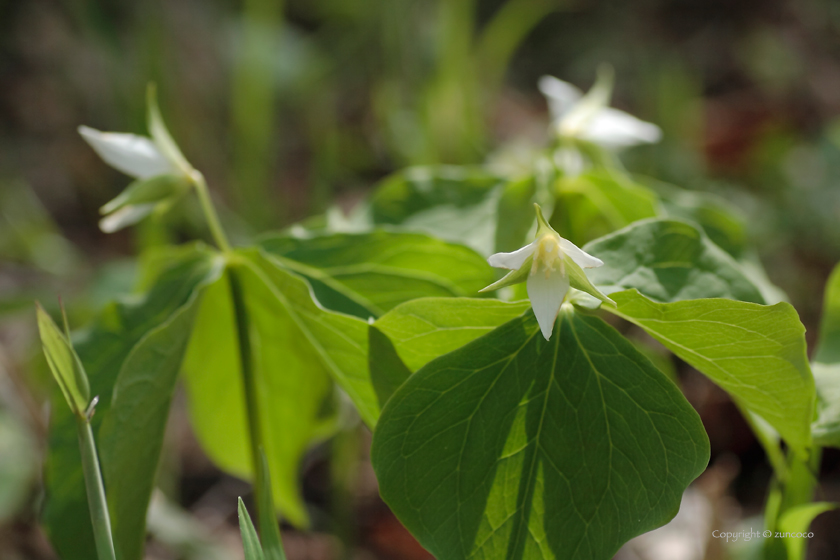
<point x="548" y="256"/>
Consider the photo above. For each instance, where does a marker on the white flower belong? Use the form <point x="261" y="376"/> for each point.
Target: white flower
<point x="588" y="117"/>
<point x="161" y="171"/>
<point x="137" y="156"/>
<point x="545" y="265"/>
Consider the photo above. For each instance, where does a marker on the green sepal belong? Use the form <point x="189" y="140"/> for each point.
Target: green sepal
<point x="148" y="191"/>
<point x="64" y="363"/>
<point x="160" y="134"/>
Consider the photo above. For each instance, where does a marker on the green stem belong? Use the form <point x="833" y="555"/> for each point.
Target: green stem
<point x="210" y="211"/>
<point x="249" y="382"/>
<point x="95" y="492"/>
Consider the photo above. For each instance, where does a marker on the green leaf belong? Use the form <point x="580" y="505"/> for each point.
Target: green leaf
<point x="826" y="366"/>
<point x="132" y="431"/>
<point x="250" y="540"/>
<point x="294" y="389"/>
<point x="418" y="189"/>
<point x="368" y="274"/>
<point x="668" y="260"/>
<point x="387" y="370"/>
<point x="518" y="447"/>
<point x="599" y="202"/>
<point x="458" y="204"/>
<point x="797" y="520"/>
<point x="103" y="350"/>
<point x="299" y="349"/>
<point x="423" y="329"/>
<point x="754" y="352"/>
<point x="725" y="227"/>
<point x="65" y="365"/>
<point x="828" y="346"/>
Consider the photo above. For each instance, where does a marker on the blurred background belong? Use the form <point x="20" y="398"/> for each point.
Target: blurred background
<point x="288" y="107"/>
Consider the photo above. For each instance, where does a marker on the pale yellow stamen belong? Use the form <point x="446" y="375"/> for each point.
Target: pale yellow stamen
<point x="548" y="255"/>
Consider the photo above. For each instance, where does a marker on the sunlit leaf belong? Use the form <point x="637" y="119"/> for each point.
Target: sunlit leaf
<point x="368" y="274"/>
<point x="797" y="520"/>
<point x="423" y="329"/>
<point x="754" y="352"/>
<point x="668" y="260"/>
<point x="518" y="447"/>
<point x="300" y="349"/>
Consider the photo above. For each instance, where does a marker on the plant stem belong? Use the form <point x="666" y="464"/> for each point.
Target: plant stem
<point x="249" y="382"/>
<point x="210" y="211"/>
<point x="95" y="492"/>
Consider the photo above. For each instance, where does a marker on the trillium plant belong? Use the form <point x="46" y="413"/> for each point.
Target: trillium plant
<point x="515" y="413"/>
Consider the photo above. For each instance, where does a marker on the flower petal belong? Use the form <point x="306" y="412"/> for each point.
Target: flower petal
<point x="581" y="257"/>
<point x="514" y="260"/>
<point x="134" y="155"/>
<point x="612" y="128"/>
<point x="561" y="96"/>
<point x="546" y="293"/>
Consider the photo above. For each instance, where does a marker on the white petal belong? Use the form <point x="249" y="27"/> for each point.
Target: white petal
<point x="515" y="260"/>
<point x="581" y="257"/>
<point x="134" y="155"/>
<point x="561" y="96"/>
<point x="546" y="295"/>
<point x="124" y="217"/>
<point x="612" y="128"/>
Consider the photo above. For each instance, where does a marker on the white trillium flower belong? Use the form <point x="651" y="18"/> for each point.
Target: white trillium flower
<point x="589" y="118"/>
<point x="161" y="171"/>
<point x="544" y="264"/>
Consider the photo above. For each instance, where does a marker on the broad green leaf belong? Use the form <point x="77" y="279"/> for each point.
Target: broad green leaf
<point x="517" y="447"/>
<point x="148" y="191"/>
<point x="387" y="370"/>
<point x="423" y="329"/>
<point x="459" y="204"/>
<point x="724" y="226"/>
<point x="250" y="540"/>
<point x="797" y="520"/>
<point x="418" y="189"/>
<point x="368" y="274"/>
<point x="599" y="202"/>
<point x="132" y="431"/>
<point x="67" y="369"/>
<point x="339" y="340"/>
<point x="668" y="260"/>
<point x="299" y="349"/>
<point x="754" y="352"/>
<point x="294" y="389"/>
<point x="826" y="366"/>
<point x="103" y="349"/>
